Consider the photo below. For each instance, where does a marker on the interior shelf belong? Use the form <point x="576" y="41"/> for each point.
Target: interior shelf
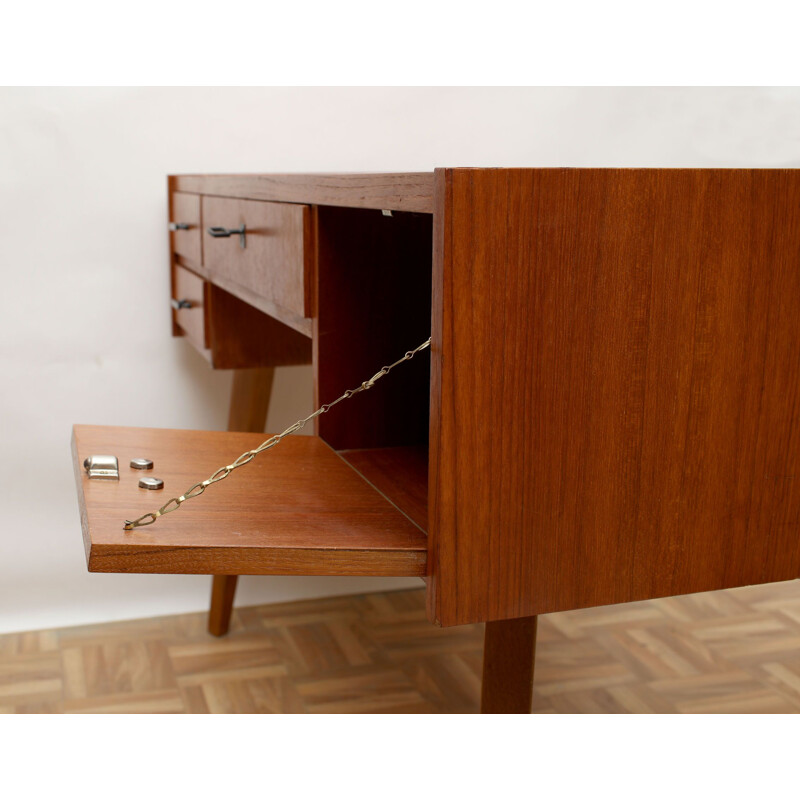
<point x="298" y="509"/>
<point x="399" y="473"/>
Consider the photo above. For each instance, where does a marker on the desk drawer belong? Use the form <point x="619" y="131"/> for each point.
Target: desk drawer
<point x="185" y="226"/>
<point x="273" y="265"/>
<point x="189" y="306"/>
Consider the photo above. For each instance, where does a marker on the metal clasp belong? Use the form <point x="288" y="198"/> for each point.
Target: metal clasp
<point x="102" y="467"/>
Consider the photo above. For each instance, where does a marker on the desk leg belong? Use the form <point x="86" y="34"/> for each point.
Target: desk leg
<point x="509" y="650"/>
<point x="223" y="589"/>
<point x="248" y="412"/>
<point x="250" y="395"/>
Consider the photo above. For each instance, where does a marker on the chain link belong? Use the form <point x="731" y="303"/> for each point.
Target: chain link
<point x="245" y="458"/>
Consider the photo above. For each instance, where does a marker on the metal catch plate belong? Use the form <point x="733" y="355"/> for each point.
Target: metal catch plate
<point x="102" y="467"/>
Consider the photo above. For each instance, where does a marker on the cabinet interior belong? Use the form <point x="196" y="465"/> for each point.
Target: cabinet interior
<point x="373" y="305"/>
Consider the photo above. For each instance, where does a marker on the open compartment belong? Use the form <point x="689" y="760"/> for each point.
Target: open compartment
<point x="351" y="500"/>
<point x="374" y="304"/>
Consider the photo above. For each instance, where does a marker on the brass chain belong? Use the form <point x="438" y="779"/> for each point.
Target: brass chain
<point x="245" y="458"/>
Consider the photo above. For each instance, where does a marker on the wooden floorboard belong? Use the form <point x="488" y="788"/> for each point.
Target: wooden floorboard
<point x="735" y="651"/>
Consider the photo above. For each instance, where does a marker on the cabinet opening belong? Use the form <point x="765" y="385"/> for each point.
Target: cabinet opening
<point x="374" y="304"/>
<point x="350" y="501"/>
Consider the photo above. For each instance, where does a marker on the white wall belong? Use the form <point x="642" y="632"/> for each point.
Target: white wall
<point x="83" y="319"/>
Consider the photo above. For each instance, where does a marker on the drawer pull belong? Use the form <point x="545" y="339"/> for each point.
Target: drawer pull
<point x="179" y="304"/>
<point x="224" y="233"/>
<point x="179" y="226"/>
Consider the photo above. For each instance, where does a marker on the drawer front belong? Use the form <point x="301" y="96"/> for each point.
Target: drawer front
<point x="273" y="264"/>
<point x="192" y="319"/>
<point x="186" y="242"/>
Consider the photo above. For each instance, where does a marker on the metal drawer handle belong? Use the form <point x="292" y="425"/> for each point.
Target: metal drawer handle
<point x="179" y="304"/>
<point x="179" y="226"/>
<point x="224" y="233"/>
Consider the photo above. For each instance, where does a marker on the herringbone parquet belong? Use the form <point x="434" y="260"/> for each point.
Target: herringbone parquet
<point x="731" y="651"/>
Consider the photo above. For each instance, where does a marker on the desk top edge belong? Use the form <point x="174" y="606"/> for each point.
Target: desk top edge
<point x="406" y="191"/>
<point x="395" y="191"/>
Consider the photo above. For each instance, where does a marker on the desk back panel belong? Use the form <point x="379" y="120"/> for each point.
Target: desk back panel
<point x="615" y="386"/>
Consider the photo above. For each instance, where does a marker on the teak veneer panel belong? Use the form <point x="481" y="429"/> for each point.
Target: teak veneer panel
<point x="615" y="386"/>
<point x="275" y="264"/>
<point x="242" y="337"/>
<point x="232" y="334"/>
<point x="405" y="191"/>
<point x="400" y="473"/>
<point x="298" y="509"/>
<point x="257" y="301"/>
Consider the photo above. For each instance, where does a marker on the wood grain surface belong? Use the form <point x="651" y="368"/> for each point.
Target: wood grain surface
<point x="254" y="299"/>
<point x="734" y="651"/>
<point x="405" y="191"/>
<point x="223" y="592"/>
<point x="232" y="334"/>
<point x="298" y="509"/>
<point x="399" y="473"/>
<point x="250" y="395"/>
<point x="251" y="390"/>
<point x="615" y="386"/>
<point x="276" y="260"/>
<point x="243" y="337"/>
<point x="509" y="652"/>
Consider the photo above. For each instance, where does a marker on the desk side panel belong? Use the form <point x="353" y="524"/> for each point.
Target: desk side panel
<point x="615" y="387"/>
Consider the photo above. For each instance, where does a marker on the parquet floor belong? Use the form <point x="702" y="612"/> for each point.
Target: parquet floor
<point x="731" y="651"/>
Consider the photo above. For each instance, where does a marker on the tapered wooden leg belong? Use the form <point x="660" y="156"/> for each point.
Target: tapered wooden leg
<point x="223" y="589"/>
<point x="509" y="650"/>
<point x="250" y="399"/>
<point x="248" y="412"/>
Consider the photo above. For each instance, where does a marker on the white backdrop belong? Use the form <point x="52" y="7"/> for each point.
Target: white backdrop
<point x="83" y="299"/>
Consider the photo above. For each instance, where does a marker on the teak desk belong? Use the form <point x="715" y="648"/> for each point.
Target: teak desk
<point x="609" y="411"/>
